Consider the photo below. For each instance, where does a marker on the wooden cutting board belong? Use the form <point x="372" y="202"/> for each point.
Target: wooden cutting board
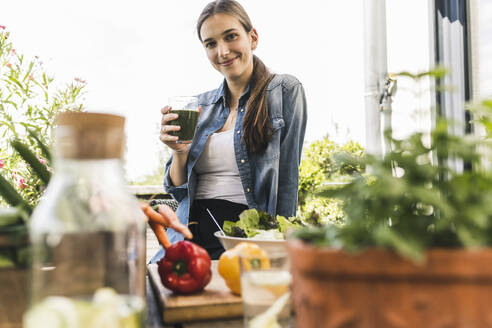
<point x="215" y="302"/>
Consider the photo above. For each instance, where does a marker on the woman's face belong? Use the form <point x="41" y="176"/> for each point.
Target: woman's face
<point x="228" y="46"/>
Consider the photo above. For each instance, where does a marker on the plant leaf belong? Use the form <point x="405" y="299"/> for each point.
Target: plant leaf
<point x="32" y="160"/>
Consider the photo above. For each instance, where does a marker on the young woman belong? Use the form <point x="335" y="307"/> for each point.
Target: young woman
<point x="247" y="146"/>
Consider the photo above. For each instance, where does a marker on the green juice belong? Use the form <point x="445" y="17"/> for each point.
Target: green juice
<point x="187" y="120"/>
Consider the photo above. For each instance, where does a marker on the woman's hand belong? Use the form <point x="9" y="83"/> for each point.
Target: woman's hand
<point x="164" y="217"/>
<point x="165" y="137"/>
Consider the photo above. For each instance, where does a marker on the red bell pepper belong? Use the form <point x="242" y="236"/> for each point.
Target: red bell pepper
<point x="186" y="267"/>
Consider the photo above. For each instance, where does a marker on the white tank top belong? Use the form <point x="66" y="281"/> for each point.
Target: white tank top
<point x="217" y="172"/>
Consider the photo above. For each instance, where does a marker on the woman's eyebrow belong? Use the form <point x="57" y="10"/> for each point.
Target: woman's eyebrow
<point x="228" y="31"/>
<point x="223" y="33"/>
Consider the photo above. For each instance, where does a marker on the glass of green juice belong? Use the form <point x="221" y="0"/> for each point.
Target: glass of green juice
<point x="187" y="109"/>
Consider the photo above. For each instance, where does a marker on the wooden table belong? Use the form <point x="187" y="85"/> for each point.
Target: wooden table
<point x="154" y="317"/>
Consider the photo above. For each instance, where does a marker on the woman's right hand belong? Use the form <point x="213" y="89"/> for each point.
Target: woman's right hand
<point x="165" y="137"/>
<point x="164" y="217"/>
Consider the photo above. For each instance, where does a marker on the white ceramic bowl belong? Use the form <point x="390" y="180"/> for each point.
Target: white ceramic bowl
<point x="270" y="246"/>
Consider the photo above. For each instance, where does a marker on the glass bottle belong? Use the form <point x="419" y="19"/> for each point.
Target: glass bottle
<point x="87" y="233"/>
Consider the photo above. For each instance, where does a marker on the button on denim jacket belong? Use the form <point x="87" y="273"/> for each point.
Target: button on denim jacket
<point x="270" y="179"/>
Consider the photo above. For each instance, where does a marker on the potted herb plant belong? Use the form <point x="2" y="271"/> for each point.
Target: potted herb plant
<point x="415" y="247"/>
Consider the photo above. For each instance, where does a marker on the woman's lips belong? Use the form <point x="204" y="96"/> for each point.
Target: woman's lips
<point x="228" y="62"/>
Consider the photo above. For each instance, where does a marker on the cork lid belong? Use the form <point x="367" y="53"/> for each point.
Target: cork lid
<point x="80" y="135"/>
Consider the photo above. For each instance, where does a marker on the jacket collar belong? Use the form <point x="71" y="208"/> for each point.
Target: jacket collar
<point x="220" y="94"/>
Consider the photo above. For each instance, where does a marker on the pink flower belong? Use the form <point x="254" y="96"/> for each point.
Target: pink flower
<point x="12" y="52"/>
<point x="30" y="77"/>
<point x="78" y="79"/>
<point x="8" y="65"/>
<point x="3" y="27"/>
<point x="40" y="62"/>
<point x="1" y="163"/>
<point x="22" y="183"/>
<point x="42" y="160"/>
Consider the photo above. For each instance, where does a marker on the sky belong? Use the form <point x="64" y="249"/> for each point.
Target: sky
<point x="135" y="55"/>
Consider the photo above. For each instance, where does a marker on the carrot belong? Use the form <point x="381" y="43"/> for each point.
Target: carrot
<point x="160" y="233"/>
<point x="174" y="222"/>
<point x="153" y="216"/>
<point x="165" y="218"/>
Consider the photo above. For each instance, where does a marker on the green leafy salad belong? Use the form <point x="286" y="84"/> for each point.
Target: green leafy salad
<point x="260" y="225"/>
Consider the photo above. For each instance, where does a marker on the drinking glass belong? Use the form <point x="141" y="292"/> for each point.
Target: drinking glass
<point x="187" y="109"/>
<point x="265" y="290"/>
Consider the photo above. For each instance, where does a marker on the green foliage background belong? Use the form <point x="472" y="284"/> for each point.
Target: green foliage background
<point x="29" y="101"/>
<point x="326" y="163"/>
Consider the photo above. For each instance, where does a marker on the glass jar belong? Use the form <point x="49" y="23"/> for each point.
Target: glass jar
<point x="87" y="233"/>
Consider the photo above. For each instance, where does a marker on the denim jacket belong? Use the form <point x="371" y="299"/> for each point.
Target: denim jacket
<point x="271" y="179"/>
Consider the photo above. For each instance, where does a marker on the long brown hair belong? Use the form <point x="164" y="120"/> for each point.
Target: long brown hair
<point x="257" y="130"/>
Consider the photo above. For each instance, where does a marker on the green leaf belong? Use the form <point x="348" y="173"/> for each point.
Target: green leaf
<point x="325" y="236"/>
<point x="16" y="235"/>
<point x="249" y="221"/>
<point x="408" y="247"/>
<point x="438" y="72"/>
<point x="13" y="79"/>
<point x="285" y="224"/>
<point x="29" y="70"/>
<point x="227" y="227"/>
<point x="6" y="260"/>
<point x="10" y="215"/>
<point x="23" y="258"/>
<point x="230" y="229"/>
<point x="267" y="221"/>
<point x="11" y="195"/>
<point x="32" y="160"/>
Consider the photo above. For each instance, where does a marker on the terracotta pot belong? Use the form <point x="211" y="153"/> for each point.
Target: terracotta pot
<point x="13" y="297"/>
<point x="378" y="288"/>
<point x="13" y="287"/>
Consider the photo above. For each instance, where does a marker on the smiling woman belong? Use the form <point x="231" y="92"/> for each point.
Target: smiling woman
<point x="248" y="142"/>
<point x="228" y="46"/>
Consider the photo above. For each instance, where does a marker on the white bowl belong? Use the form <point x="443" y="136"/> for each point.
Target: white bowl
<point x="270" y="246"/>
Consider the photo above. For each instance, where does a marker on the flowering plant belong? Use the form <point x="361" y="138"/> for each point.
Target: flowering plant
<point x="28" y="106"/>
